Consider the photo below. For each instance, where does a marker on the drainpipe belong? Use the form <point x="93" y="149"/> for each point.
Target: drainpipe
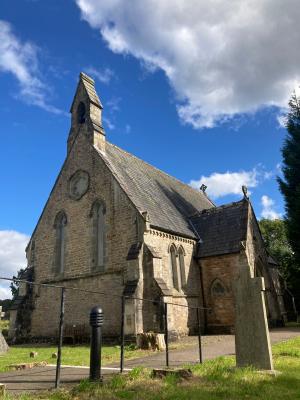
<point x="202" y="293"/>
<point x="199" y="241"/>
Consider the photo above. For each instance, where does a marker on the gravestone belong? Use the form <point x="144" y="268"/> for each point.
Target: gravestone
<point x="3" y="344"/>
<point x="252" y="339"/>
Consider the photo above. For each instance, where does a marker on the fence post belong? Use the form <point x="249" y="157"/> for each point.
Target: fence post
<point x="60" y="340"/>
<point x="122" y="333"/>
<point x="166" y="334"/>
<point x="199" y="335"/>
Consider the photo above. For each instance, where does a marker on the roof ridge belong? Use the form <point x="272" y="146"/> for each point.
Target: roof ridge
<point x="161" y="171"/>
<point x="217" y="208"/>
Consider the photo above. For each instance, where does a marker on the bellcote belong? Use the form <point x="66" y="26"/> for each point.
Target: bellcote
<point x="86" y="114"/>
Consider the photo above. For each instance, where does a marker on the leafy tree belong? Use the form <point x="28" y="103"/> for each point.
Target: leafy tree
<point x="14" y="286"/>
<point x="290" y="185"/>
<point x="5" y="304"/>
<point x="275" y="235"/>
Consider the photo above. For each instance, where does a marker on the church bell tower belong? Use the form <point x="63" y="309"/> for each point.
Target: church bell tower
<point x="86" y="114"/>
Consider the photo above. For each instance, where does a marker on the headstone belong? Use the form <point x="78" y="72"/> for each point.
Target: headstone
<point x="3" y="344"/>
<point x="151" y="341"/>
<point x="252" y="339"/>
<point x="2" y="389"/>
<point x="183" y="373"/>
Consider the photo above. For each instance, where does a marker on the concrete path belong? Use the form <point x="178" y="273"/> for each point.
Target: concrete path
<point x="212" y="346"/>
<point x="42" y="378"/>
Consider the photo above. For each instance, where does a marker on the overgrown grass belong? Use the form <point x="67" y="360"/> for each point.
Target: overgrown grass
<point x="214" y="380"/>
<point x="71" y="355"/>
<point x="4" y="324"/>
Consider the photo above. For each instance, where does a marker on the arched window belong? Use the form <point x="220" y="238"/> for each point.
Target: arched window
<point x="174" y="268"/>
<point x="81" y="113"/>
<point x="182" y="265"/>
<point x="217" y="288"/>
<point x="98" y="218"/>
<point x="60" y="241"/>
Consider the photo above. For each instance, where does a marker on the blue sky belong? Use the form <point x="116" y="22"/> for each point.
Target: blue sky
<point x="169" y="97"/>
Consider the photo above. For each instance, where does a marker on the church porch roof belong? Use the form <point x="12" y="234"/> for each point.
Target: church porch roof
<point x="221" y="229"/>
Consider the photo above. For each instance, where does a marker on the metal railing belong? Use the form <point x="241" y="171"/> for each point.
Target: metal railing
<point x="63" y="290"/>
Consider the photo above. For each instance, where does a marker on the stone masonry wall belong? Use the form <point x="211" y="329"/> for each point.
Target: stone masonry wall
<point x="121" y="232"/>
<point x="220" y="270"/>
<point x="180" y="319"/>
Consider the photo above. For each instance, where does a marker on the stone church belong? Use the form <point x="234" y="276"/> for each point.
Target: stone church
<point x="117" y="225"/>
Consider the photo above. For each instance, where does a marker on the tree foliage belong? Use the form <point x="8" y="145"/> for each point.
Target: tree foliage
<point x="14" y="286"/>
<point x="275" y="235"/>
<point x="290" y="184"/>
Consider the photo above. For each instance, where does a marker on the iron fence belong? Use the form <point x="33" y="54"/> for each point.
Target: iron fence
<point x="192" y="312"/>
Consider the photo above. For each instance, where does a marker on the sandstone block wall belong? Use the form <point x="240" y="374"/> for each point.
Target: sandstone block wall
<point x="180" y="319"/>
<point x="223" y="270"/>
<point x="121" y="232"/>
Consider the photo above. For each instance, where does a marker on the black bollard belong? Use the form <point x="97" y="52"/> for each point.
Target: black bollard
<point x="96" y="321"/>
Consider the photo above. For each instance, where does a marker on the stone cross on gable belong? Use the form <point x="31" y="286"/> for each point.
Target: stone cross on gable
<point x="2" y="314"/>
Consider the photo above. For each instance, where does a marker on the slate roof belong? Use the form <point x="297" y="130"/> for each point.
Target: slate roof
<point x="221" y="229"/>
<point x="168" y="201"/>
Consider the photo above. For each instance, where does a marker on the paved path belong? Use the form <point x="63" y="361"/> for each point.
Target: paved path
<point x="42" y="378"/>
<point x="212" y="346"/>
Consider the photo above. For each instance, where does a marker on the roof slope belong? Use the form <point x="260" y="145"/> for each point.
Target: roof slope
<point x="221" y="229"/>
<point x="168" y="201"/>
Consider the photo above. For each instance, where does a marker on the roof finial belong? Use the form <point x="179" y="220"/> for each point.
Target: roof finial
<point x="245" y="191"/>
<point x="203" y="187"/>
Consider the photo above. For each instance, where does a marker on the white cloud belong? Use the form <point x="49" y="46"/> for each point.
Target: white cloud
<point x="5" y="293"/>
<point x="12" y="256"/>
<point x="113" y="104"/>
<point x="21" y="60"/>
<point x="282" y="120"/>
<point x="127" y="128"/>
<point x="222" y="57"/>
<point x="110" y="125"/>
<point x="223" y="184"/>
<point x="103" y="75"/>
<point x="279" y="168"/>
<point x="268" y="208"/>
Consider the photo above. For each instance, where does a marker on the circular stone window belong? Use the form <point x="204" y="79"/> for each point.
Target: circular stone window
<point x="79" y="184"/>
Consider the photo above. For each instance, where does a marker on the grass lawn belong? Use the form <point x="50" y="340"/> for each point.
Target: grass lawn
<point x="213" y="380"/>
<point x="71" y="355"/>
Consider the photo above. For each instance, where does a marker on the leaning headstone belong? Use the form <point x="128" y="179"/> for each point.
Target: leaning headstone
<point x="252" y="339"/>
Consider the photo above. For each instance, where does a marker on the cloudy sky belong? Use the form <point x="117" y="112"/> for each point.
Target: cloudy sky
<point x="197" y="88"/>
